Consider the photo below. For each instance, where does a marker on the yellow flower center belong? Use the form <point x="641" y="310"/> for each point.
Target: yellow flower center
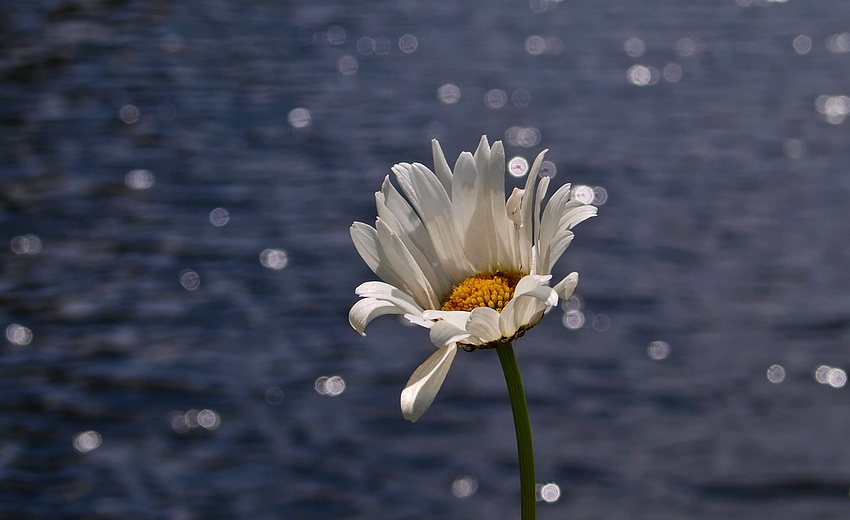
<point x="492" y="290"/>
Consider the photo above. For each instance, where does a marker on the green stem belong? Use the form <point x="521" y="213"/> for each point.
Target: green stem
<point x="525" y="447"/>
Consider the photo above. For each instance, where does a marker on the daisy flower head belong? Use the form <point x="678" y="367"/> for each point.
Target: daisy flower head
<point x="459" y="259"/>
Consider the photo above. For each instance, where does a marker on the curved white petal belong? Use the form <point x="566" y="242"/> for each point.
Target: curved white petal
<point x="441" y="167"/>
<point x="367" y="309"/>
<point x="419" y="320"/>
<point x="386" y="292"/>
<point x="565" y="287"/>
<point x="423" y="385"/>
<point x="555" y="207"/>
<point x="557" y="247"/>
<point x="444" y="333"/>
<point x="531" y="296"/>
<point x="365" y="239"/>
<point x="484" y="324"/>
<point x="526" y="239"/>
<point x="400" y="258"/>
<point x="456" y="318"/>
<point x="427" y="195"/>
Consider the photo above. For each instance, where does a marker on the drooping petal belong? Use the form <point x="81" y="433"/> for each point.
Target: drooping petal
<point x="386" y="292"/>
<point x="423" y="385"/>
<point x="565" y="287"/>
<point x="397" y="255"/>
<point x="531" y="295"/>
<point x="431" y="202"/>
<point x="484" y="324"/>
<point x="444" y="333"/>
<point x="367" y="309"/>
<point x="456" y="318"/>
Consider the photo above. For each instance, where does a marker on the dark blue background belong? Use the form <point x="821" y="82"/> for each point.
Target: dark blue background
<point x="712" y="239"/>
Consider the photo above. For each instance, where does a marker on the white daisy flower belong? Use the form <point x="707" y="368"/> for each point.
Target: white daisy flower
<point x="457" y="259"/>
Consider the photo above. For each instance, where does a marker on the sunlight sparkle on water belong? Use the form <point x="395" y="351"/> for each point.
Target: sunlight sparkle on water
<point x="834" y="108"/>
<point x="18" y="334"/>
<point x="330" y="385"/>
<point x="189" y="279"/>
<point x="448" y="94"/>
<point x="129" y="114"/>
<point x="827" y="375"/>
<point x="838" y="43"/>
<point x="518" y="166"/>
<point x="408" y="43"/>
<point x="347" y="65"/>
<point x="601" y="323"/>
<point x="802" y="44"/>
<point x="573" y="320"/>
<point x="794" y="148"/>
<point x="658" y="350"/>
<point x="274" y="258"/>
<point x="776" y="374"/>
<point x="525" y="137"/>
<point x="548" y="493"/>
<point x="219" y="217"/>
<point x="139" y="179"/>
<point x="274" y="396"/>
<point x="686" y="47"/>
<point x="672" y="72"/>
<point x="171" y="43"/>
<point x="464" y="486"/>
<point x="26" y="245"/>
<point x="634" y="47"/>
<point x="547" y="169"/>
<point x="495" y="98"/>
<point x="641" y="75"/>
<point x="84" y="442"/>
<point x="299" y="118"/>
<point x="521" y="97"/>
<point x="582" y="194"/>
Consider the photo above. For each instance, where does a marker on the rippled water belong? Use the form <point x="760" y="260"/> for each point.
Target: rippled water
<point x="176" y="186"/>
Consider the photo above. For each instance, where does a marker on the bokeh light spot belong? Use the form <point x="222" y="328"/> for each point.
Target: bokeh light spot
<point x="382" y="45"/>
<point x="18" y="334"/>
<point x="129" y="114"/>
<point x="171" y="43"/>
<point x="347" y="65"/>
<point x="139" y="179"/>
<point x="582" y="194"/>
<point x="802" y="44"/>
<point x="274" y="396"/>
<point x="838" y="43"/>
<point x="28" y="244"/>
<point x="219" y="217"/>
<point x="601" y="323"/>
<point x="672" y="72"/>
<point x="495" y="98"/>
<point x="299" y="118"/>
<point x="365" y="45"/>
<point x="336" y="35"/>
<point x="634" y="47"/>
<point x="464" y="486"/>
<point x="330" y="385"/>
<point x="85" y="442"/>
<point x="794" y="148"/>
<point x="547" y="169"/>
<point x="521" y="97"/>
<point x="535" y="45"/>
<point x="548" y="493"/>
<point x="518" y="166"/>
<point x="775" y="374"/>
<point x="686" y="47"/>
<point x="408" y="43"/>
<point x="448" y="94"/>
<point x="573" y="320"/>
<point x="189" y="279"/>
<point x="600" y="196"/>
<point x="274" y="258"/>
<point x="658" y="350"/>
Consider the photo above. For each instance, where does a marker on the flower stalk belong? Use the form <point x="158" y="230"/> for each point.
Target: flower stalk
<point x="522" y="425"/>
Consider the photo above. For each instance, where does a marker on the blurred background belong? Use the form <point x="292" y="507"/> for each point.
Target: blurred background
<point x="177" y="180"/>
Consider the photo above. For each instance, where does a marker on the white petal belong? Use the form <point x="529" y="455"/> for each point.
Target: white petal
<point x="397" y="255"/>
<point x="444" y="333"/>
<point x="408" y="220"/>
<point x="441" y="167"/>
<point x="576" y="214"/>
<point x="526" y="303"/>
<point x="419" y="320"/>
<point x="387" y="292"/>
<point x="367" y="309"/>
<point x="423" y="385"/>
<point x="365" y="239"/>
<point x="428" y="196"/>
<point x="456" y="318"/>
<point x="484" y="324"/>
<point x="527" y="215"/>
<point x="555" y="207"/>
<point x="565" y="287"/>
<point x="556" y="248"/>
<point x="473" y="215"/>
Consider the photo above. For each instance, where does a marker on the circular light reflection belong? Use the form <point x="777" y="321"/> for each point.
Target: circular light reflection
<point x="85" y="442"/>
<point x="496" y="98"/>
<point x="634" y="47"/>
<point x="525" y="137"/>
<point x="274" y="396"/>
<point x="775" y="374"/>
<point x="26" y="245"/>
<point x="573" y="320"/>
<point x="365" y="45"/>
<point x="347" y="65"/>
<point x="408" y="43"/>
<point x="189" y="279"/>
<point x="836" y="378"/>
<point x="802" y="44"/>
<point x="518" y="166"/>
<point x="838" y="43"/>
<point x="18" y="334"/>
<point x="547" y="169"/>
<point x="299" y="118"/>
<point x="333" y="385"/>
<point x="139" y="179"/>
<point x="521" y="97"/>
<point x="548" y="492"/>
<point x="686" y="47"/>
<point x="336" y="35"/>
<point x="658" y="350"/>
<point x="219" y="217"/>
<point x="794" y="148"/>
<point x="274" y="258"/>
<point x="821" y="374"/>
<point x="641" y="76"/>
<point x="583" y="194"/>
<point x="208" y="419"/>
<point x="382" y="45"/>
<point x="129" y="114"/>
<point x="448" y="94"/>
<point x="672" y="72"/>
<point x="600" y="196"/>
<point x="573" y="303"/>
<point x="464" y="486"/>
<point x="601" y="322"/>
<point x="435" y="130"/>
<point x="535" y="45"/>
<point x="171" y="43"/>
